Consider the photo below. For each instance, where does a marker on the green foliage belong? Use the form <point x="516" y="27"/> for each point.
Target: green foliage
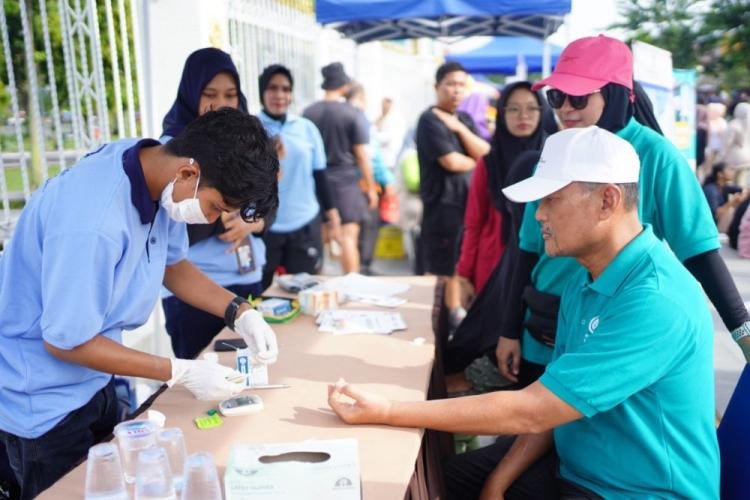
<point x="15" y="34"/>
<point x="725" y="42"/>
<point x="713" y="35"/>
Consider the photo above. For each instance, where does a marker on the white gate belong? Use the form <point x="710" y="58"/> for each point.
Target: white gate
<point x="65" y="88"/>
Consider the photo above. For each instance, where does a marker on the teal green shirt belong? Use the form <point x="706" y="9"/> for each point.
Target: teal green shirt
<point x="634" y="355"/>
<point x="671" y="200"/>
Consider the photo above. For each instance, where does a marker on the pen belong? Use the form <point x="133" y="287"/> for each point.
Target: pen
<point x="231" y="345"/>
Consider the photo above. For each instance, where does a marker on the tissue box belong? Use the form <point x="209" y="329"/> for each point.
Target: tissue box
<point x="314" y="300"/>
<point x="291" y="471"/>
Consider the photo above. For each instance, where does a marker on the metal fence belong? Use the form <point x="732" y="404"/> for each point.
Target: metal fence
<point x="71" y="84"/>
<point x="264" y="32"/>
<point x="70" y="79"/>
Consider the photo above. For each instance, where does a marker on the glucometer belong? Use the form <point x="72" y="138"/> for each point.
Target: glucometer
<point x="241" y="405"/>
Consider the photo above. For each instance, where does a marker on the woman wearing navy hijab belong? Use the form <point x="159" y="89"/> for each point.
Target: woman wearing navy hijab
<point x="227" y="251"/>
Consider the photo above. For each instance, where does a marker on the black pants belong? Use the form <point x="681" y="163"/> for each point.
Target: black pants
<point x="442" y="230"/>
<point x="466" y="473"/>
<point x="191" y="329"/>
<point x="368" y="237"/>
<point x="298" y="251"/>
<point x="39" y="462"/>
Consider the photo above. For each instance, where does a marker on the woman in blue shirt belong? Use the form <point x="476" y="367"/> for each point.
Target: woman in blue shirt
<point x="294" y="240"/>
<point x="226" y="250"/>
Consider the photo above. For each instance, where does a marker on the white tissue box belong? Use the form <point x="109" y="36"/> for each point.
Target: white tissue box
<point x="325" y="469"/>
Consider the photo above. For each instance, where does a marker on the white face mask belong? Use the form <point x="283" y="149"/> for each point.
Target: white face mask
<point x="188" y="211"/>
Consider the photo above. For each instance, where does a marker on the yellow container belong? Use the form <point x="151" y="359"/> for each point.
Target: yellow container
<point x="390" y="244"/>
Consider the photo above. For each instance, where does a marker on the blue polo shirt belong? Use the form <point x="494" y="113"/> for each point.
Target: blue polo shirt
<point x="305" y="153"/>
<point x="671" y="200"/>
<point x="211" y="257"/>
<point x="634" y="355"/>
<point x="87" y="258"/>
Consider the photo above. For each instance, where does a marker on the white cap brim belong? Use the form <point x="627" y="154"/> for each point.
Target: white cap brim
<point x="533" y="188"/>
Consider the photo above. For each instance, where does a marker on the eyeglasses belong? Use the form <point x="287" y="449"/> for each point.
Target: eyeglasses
<point x="517" y="110"/>
<point x="556" y="99"/>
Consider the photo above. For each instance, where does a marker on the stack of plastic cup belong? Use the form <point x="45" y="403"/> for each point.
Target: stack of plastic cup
<point x="104" y="479"/>
<point x="134" y="436"/>
<point x="201" y="481"/>
<point x="173" y="442"/>
<point x="153" y="478"/>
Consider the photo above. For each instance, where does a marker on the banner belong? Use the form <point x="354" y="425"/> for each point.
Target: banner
<point x="684" y="113"/>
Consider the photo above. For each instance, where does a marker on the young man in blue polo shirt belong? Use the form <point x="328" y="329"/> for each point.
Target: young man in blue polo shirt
<point x="87" y="259"/>
<point x="623" y="400"/>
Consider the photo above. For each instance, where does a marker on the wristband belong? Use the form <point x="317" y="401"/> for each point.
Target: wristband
<point x="741" y="331"/>
<point x="230" y="313"/>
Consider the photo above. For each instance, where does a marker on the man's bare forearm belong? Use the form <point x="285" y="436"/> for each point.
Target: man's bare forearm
<point x="192" y="286"/>
<point x="362" y="159"/>
<point x="525" y="451"/>
<point x="105" y="355"/>
<point x="475" y="146"/>
<point x="531" y="410"/>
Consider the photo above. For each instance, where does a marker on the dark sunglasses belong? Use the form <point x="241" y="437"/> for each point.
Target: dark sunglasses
<point x="556" y="99"/>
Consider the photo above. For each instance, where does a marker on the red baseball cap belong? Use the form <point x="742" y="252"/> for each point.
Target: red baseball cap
<point x="588" y="64"/>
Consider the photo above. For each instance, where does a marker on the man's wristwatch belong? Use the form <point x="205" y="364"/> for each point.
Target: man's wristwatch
<point x="741" y="331"/>
<point x="230" y="313"/>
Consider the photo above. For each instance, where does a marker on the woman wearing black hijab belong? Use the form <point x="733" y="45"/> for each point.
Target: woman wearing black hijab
<point x="227" y="251"/>
<point x="294" y="240"/>
<point x="491" y="221"/>
<point x="518" y="128"/>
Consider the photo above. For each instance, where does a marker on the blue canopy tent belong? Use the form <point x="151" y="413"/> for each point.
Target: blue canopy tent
<point x="501" y="55"/>
<point x="368" y="20"/>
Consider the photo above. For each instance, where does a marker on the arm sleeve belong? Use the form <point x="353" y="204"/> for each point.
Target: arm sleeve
<point x="360" y="129"/>
<point x="712" y="273"/>
<point x="583" y="376"/>
<point x="477" y="206"/>
<point x="322" y="191"/>
<point x="82" y="264"/>
<point x="319" y="150"/>
<point x="683" y="216"/>
<point x="434" y="135"/>
<point x="512" y="325"/>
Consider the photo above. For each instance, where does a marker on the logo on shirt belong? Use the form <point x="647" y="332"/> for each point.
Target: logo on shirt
<point x="593" y="324"/>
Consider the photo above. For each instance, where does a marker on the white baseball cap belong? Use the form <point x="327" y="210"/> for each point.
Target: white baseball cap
<point x="589" y="154"/>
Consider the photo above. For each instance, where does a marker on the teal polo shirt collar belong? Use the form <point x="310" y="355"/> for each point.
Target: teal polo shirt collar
<point x="139" y="194"/>
<point x="618" y="270"/>
<point x="629" y="130"/>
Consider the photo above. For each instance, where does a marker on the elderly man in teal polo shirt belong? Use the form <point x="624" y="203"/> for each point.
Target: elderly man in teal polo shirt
<point x="625" y="408"/>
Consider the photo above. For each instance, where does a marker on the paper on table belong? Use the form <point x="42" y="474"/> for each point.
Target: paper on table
<point x="345" y="321"/>
<point x="356" y="287"/>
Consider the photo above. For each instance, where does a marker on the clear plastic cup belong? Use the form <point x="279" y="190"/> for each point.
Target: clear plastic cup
<point x="201" y="481"/>
<point x="104" y="480"/>
<point x="153" y="478"/>
<point x="173" y="441"/>
<point x="134" y="436"/>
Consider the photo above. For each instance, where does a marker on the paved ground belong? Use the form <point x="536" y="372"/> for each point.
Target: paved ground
<point x="728" y="359"/>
